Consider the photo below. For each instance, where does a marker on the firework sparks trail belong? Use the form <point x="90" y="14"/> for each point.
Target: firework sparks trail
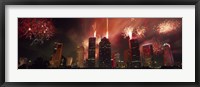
<point x="168" y="26"/>
<point x="128" y="32"/>
<point x="140" y="32"/>
<point x="36" y="29"/>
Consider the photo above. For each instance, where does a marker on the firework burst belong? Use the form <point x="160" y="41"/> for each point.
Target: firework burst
<point x="157" y="46"/>
<point x="128" y="32"/>
<point x="36" y="29"/>
<point x="140" y="32"/>
<point x="156" y="43"/>
<point x="168" y="26"/>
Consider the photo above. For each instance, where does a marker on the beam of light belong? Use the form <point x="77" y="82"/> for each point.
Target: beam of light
<point x="168" y="26"/>
<point x="107" y="27"/>
<point x="98" y="40"/>
<point x="130" y="34"/>
<point x="95" y="33"/>
<point x="94" y="28"/>
<point x="107" y="34"/>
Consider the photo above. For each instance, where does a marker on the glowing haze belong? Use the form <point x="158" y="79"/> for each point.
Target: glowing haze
<point x="73" y="32"/>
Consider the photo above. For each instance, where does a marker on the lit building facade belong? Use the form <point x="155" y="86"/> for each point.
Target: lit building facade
<point x="147" y="55"/>
<point x="91" y="52"/>
<point x="127" y="57"/>
<point x="135" y="54"/>
<point x="105" y="53"/>
<point x="80" y="56"/>
<point x="168" y="56"/>
<point x="115" y="59"/>
<point x="69" y="62"/>
<point x="57" y="55"/>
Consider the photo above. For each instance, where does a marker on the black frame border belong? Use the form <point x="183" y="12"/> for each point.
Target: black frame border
<point x="98" y="2"/>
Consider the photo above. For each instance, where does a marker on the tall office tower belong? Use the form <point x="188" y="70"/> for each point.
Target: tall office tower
<point x="115" y="59"/>
<point x="80" y="56"/>
<point x="147" y="55"/>
<point x="127" y="56"/>
<point x="57" y="55"/>
<point x="91" y="52"/>
<point x="168" y="57"/>
<point x="135" y="54"/>
<point x="105" y="53"/>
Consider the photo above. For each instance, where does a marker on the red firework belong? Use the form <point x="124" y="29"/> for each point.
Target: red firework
<point x="35" y="28"/>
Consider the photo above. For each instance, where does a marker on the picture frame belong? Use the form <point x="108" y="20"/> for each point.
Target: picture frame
<point x="98" y="2"/>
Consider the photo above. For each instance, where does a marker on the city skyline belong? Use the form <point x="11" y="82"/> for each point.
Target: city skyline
<point x="130" y="38"/>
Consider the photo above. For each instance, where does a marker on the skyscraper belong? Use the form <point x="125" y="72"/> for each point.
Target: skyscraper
<point x="91" y="52"/>
<point x="147" y="55"/>
<point x="168" y="57"/>
<point x="115" y="59"/>
<point x="135" y="54"/>
<point x="127" y="57"/>
<point x="80" y="56"/>
<point x="57" y="55"/>
<point x="105" y="53"/>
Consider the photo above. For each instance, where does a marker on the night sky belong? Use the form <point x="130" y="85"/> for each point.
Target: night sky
<point x="73" y="32"/>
